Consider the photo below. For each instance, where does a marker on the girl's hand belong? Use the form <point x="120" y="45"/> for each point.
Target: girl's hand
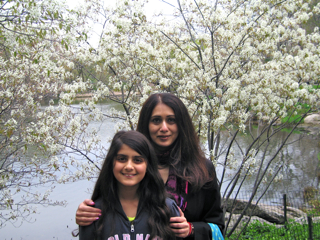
<point x="85" y="214"/>
<point x="179" y="225"/>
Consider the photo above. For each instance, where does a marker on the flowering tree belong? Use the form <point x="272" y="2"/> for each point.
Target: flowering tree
<point x="36" y="45"/>
<point x="233" y="63"/>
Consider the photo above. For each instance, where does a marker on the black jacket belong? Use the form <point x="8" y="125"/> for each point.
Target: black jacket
<point x="205" y="206"/>
<point x="123" y="228"/>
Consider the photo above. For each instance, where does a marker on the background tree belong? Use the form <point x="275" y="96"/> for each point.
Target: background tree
<point x="233" y="63"/>
<point x="37" y="44"/>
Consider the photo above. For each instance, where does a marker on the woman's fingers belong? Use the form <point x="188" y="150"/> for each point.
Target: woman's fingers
<point x="180" y="229"/>
<point x="181" y="213"/>
<point x="178" y="219"/>
<point x="179" y="225"/>
<point x="82" y="223"/>
<point x="86" y="214"/>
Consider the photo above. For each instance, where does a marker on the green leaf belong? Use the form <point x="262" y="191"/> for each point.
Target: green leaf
<point x="43" y="146"/>
<point x="49" y="13"/>
<point x="9" y="133"/>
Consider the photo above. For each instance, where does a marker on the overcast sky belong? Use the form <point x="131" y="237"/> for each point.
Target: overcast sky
<point x="153" y="6"/>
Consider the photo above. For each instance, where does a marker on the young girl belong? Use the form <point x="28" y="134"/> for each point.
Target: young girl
<point x="131" y="194"/>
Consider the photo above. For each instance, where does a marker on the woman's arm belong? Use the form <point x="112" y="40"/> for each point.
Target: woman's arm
<point x="87" y="232"/>
<point x="209" y="199"/>
<point x="86" y="214"/>
<point x="204" y="208"/>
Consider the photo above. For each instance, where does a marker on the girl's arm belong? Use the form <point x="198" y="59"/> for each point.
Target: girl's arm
<point x="86" y="214"/>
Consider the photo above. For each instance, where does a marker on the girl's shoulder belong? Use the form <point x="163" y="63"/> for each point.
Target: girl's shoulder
<point x="171" y="204"/>
<point x="98" y="203"/>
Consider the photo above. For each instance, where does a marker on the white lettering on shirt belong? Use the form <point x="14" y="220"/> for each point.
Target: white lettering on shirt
<point x="126" y="236"/>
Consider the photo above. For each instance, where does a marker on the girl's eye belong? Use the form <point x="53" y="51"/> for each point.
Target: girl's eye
<point x="138" y="159"/>
<point x="121" y="158"/>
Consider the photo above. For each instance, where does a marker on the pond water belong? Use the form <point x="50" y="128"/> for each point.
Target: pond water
<point x="300" y="161"/>
<point x="300" y="170"/>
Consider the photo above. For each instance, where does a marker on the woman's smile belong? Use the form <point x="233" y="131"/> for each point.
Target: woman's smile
<point x="164" y="138"/>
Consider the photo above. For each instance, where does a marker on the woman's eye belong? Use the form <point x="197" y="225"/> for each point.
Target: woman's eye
<point x="171" y="120"/>
<point x="156" y="120"/>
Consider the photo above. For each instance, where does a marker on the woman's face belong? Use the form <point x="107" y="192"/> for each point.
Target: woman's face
<point x="163" y="128"/>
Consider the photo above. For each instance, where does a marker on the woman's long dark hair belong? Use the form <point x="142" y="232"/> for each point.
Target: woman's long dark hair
<point x="151" y="189"/>
<point x="187" y="157"/>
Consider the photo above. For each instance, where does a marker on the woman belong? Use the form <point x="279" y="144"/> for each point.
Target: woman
<point x="189" y="177"/>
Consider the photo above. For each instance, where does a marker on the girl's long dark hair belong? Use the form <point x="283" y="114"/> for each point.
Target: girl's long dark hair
<point x="187" y="157"/>
<point x="151" y="189"/>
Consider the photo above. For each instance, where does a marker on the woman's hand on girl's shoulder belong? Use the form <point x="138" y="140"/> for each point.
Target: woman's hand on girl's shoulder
<point x="179" y="225"/>
<point x="86" y="214"/>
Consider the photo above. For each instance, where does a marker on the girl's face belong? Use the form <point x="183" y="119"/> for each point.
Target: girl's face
<point x="162" y="126"/>
<point x="129" y="167"/>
